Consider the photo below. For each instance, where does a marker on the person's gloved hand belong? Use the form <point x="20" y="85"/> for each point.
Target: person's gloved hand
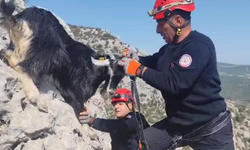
<point x="85" y="118"/>
<point x="131" y="67"/>
<point x="130" y="54"/>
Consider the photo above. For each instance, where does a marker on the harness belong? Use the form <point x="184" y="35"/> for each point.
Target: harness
<point x="139" y="120"/>
<point x="208" y="129"/>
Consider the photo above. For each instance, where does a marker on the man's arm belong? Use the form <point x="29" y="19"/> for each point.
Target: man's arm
<point x="115" y="125"/>
<point x="151" y="61"/>
<point x="181" y="75"/>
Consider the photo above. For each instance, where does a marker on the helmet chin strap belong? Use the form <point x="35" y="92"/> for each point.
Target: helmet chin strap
<point x="132" y="107"/>
<point x="177" y="30"/>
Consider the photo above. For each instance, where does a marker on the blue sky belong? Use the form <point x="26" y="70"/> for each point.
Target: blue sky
<point x="226" y="22"/>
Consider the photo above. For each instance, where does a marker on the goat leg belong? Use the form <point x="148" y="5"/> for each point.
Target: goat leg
<point x="30" y="89"/>
<point x="10" y="56"/>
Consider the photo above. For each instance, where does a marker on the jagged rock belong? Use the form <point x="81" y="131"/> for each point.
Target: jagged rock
<point x="24" y="126"/>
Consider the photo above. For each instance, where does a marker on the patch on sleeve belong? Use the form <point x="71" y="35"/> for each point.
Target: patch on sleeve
<point x="128" y="116"/>
<point x="185" y="60"/>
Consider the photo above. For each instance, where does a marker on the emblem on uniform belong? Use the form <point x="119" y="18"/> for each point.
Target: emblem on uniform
<point x="185" y="60"/>
<point x="128" y="116"/>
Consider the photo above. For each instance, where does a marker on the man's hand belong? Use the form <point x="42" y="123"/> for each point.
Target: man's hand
<point x="130" y="54"/>
<point x="85" y="118"/>
<point x="130" y="66"/>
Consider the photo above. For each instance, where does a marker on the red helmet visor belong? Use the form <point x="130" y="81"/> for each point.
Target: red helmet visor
<point x="121" y="97"/>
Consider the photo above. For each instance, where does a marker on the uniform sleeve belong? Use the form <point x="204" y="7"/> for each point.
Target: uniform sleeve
<point x="151" y="61"/>
<point x="115" y="125"/>
<point x="183" y="72"/>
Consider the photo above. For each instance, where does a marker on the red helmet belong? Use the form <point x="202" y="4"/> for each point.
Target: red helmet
<point x="122" y="95"/>
<point x="163" y="8"/>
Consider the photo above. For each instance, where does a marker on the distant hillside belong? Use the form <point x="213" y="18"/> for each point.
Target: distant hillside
<point x="235" y="81"/>
<point x="235" y="70"/>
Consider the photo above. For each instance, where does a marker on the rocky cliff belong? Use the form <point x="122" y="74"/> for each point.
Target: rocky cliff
<point x="23" y="127"/>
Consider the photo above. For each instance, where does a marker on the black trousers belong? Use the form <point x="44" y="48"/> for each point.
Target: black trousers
<point x="158" y="138"/>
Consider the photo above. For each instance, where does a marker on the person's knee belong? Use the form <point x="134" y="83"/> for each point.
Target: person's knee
<point x="157" y="139"/>
<point x="221" y="140"/>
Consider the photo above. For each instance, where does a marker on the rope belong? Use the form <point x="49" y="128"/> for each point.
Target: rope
<point x="139" y="121"/>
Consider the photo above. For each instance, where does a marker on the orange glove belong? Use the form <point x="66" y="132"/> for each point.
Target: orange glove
<point x="130" y="66"/>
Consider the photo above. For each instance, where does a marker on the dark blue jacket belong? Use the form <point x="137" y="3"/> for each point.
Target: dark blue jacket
<point x="186" y="74"/>
<point x="122" y="131"/>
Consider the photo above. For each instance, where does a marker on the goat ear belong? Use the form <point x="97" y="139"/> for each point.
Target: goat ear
<point x="100" y="61"/>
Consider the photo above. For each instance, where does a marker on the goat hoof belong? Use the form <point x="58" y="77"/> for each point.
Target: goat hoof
<point x="91" y="133"/>
<point x="33" y="100"/>
<point x="42" y="106"/>
<point x="8" y="54"/>
<point x="33" y="96"/>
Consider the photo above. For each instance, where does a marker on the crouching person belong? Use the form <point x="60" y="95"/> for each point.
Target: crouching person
<point x="125" y="128"/>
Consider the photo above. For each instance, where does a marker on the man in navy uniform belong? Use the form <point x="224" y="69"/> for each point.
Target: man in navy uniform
<point x="185" y="71"/>
<point x="125" y="129"/>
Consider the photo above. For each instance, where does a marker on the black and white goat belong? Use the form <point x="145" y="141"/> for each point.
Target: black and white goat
<point x="42" y="48"/>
